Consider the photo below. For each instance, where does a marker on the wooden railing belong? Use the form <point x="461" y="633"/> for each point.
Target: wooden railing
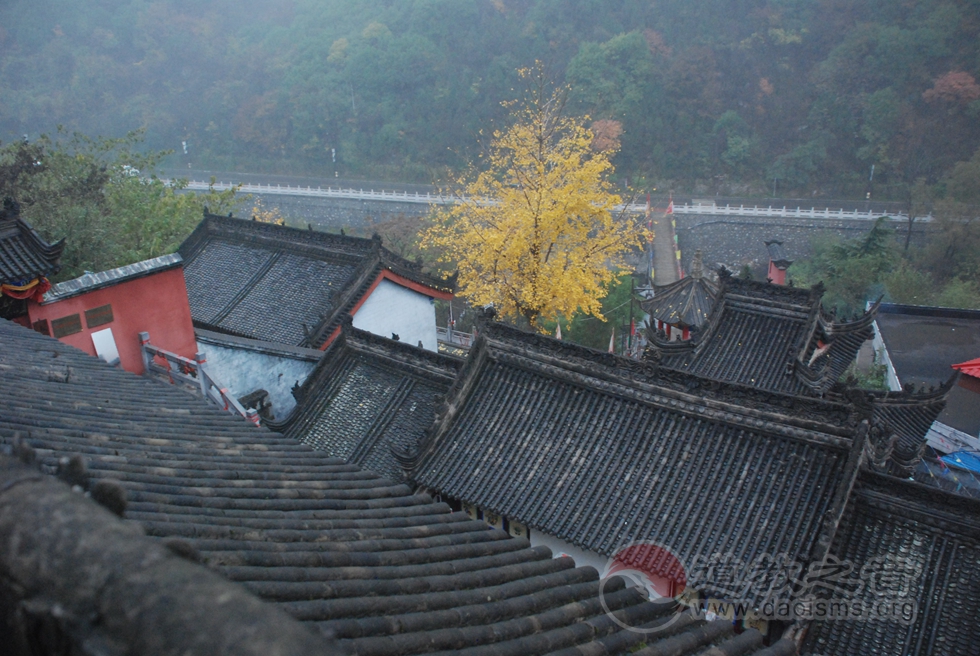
<point x="192" y="372"/>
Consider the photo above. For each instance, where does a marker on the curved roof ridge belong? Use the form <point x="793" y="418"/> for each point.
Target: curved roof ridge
<point x="686" y="302"/>
<point x="830" y="322"/>
<point x="25" y="254"/>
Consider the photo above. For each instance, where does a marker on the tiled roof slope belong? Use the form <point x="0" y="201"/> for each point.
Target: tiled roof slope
<point x="777" y="254"/>
<point x="24" y="255"/>
<point x="970" y="368"/>
<point x="909" y="415"/>
<point x="281" y="284"/>
<point x="388" y="572"/>
<point x="768" y="336"/>
<point x="601" y="451"/>
<point x="367" y="395"/>
<point x="686" y="302"/>
<point x="917" y="527"/>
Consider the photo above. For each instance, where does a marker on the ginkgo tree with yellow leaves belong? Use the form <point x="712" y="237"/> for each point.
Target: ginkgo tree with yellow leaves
<point x="536" y="232"/>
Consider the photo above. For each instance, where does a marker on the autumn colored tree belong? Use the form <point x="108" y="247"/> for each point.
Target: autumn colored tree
<point x="955" y="86"/>
<point x="536" y="232"/>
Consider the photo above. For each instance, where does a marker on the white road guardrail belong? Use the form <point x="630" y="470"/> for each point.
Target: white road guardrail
<point x="438" y="199"/>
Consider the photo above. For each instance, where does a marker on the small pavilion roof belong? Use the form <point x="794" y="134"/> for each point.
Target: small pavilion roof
<point x="686" y="302"/>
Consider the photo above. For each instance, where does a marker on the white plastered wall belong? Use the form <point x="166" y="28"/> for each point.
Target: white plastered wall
<point x="392" y="308"/>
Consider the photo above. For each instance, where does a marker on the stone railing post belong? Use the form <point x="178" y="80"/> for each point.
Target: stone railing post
<point x="147" y="358"/>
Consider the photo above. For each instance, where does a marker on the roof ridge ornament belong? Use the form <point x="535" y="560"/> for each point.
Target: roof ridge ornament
<point x="697" y="265"/>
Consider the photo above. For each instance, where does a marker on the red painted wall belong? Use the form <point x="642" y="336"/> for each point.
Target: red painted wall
<point x="777" y="275"/>
<point x="156" y="303"/>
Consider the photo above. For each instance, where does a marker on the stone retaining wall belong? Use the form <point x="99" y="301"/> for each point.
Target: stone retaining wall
<point x="333" y="214"/>
<point x="729" y="240"/>
<point x="735" y="241"/>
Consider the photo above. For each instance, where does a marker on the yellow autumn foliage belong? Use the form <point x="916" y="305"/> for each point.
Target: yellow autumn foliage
<point x="536" y="232"/>
<point x="261" y="213"/>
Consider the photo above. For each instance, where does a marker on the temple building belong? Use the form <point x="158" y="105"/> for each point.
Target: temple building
<point x="768" y="336"/>
<point x="103" y="313"/>
<point x="369" y="567"/>
<point x="283" y="285"/>
<point x="676" y="308"/>
<point x="593" y="452"/>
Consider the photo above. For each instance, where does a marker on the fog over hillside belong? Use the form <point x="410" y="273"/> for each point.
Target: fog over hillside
<point x="722" y="95"/>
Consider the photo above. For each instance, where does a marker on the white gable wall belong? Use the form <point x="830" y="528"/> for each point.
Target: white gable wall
<point x="392" y="308"/>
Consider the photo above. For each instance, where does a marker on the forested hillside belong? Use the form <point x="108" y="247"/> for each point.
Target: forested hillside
<point x="730" y="94"/>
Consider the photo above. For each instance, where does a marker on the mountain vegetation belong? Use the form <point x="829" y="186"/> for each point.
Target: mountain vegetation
<point x="91" y="193"/>
<point x="714" y="96"/>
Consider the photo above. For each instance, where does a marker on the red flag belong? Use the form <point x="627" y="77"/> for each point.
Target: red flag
<point x="632" y="328"/>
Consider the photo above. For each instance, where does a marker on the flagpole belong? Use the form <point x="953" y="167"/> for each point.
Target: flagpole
<point x="632" y="286"/>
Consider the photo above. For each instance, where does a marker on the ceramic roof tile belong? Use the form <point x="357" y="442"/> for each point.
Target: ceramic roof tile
<point x="370" y="395"/>
<point x="932" y="539"/>
<point x="386" y="571"/>
<point x="282" y="284"/>
<point x="970" y="368"/>
<point x="602" y="451"/>
<point x="24" y="255"/>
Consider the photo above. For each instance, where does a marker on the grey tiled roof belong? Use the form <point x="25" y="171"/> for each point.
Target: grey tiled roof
<point x="282" y="284"/>
<point x="370" y="395"/>
<point x="92" y="281"/>
<point x="924" y="528"/>
<point x="386" y="571"/>
<point x="601" y="451"/>
<point x="768" y="336"/>
<point x="24" y="255"/>
<point x="686" y="302"/>
<point x="909" y="415"/>
<point x="777" y="254"/>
